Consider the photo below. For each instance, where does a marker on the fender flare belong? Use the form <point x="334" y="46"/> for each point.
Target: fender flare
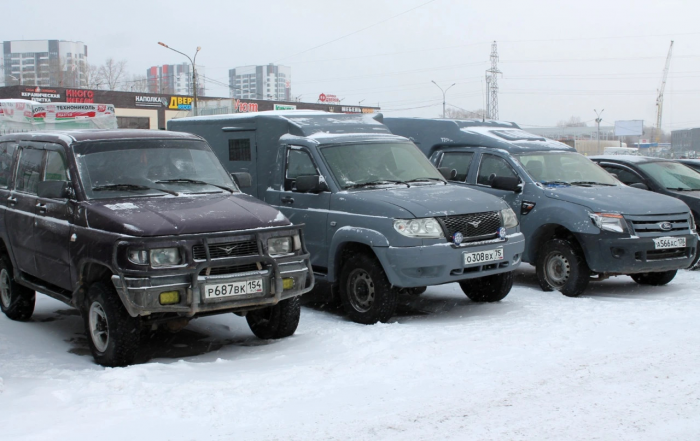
<point x="343" y="235"/>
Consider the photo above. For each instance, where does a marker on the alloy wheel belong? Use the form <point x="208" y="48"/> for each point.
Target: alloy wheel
<point x="99" y="326"/>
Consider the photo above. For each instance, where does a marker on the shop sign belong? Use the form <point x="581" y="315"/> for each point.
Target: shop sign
<point x="367" y="110"/>
<point x="246" y="107"/>
<point x="80" y="96"/>
<point x="180" y="103"/>
<point x="285" y="107"/>
<point x="40" y="95"/>
<point x="151" y="101"/>
<point x="351" y="109"/>
<point x="328" y="98"/>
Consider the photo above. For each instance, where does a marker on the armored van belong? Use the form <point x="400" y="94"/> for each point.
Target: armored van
<point x="579" y="221"/>
<point x="378" y="216"/>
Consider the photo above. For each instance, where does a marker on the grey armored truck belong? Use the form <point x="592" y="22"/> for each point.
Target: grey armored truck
<point x="580" y="222"/>
<point x="378" y="216"/>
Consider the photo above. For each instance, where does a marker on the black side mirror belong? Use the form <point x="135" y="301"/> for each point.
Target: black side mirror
<point x="640" y="185"/>
<point x="448" y="173"/>
<point x="243" y="179"/>
<point x="54" y="189"/>
<point x="508" y="183"/>
<point x="310" y="184"/>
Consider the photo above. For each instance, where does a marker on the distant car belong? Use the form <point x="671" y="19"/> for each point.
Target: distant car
<point x="692" y="163"/>
<point x="659" y="175"/>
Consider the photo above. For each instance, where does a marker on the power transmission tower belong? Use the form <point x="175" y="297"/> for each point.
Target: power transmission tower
<point x="492" y="84"/>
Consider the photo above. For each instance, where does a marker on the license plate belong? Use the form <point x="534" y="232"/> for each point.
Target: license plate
<point x="220" y="290"/>
<point x="483" y="256"/>
<point x="669" y="242"/>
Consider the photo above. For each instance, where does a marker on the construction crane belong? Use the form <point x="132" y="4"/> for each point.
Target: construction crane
<point x="660" y="96"/>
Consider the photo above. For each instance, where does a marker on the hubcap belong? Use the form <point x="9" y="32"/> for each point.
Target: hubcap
<point x="99" y="327"/>
<point x="360" y="290"/>
<point x="5" y="288"/>
<point x="557" y="270"/>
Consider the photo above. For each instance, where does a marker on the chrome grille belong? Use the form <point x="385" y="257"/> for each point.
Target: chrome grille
<point x="650" y="226"/>
<point x="226" y="249"/>
<point x="477" y="226"/>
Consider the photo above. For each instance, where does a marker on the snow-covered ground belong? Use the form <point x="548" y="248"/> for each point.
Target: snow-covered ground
<point x="621" y="362"/>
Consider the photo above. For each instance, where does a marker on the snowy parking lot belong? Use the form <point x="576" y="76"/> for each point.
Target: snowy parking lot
<point x="620" y="362"/>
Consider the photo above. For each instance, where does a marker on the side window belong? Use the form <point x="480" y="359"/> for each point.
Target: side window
<point x="7" y="152"/>
<point x="56" y="168"/>
<point x="625" y="176"/>
<point x="29" y="170"/>
<point x="492" y="166"/>
<point x="459" y="162"/>
<point x="299" y="163"/>
<point x="239" y="150"/>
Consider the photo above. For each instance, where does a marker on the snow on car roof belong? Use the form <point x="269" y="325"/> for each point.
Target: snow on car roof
<point x="635" y="159"/>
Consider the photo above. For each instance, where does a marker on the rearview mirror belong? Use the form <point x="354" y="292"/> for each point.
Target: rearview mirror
<point x="54" y="189"/>
<point x="508" y="183"/>
<point x="310" y="184"/>
<point x="640" y="185"/>
<point x="448" y="173"/>
<point x="242" y="179"/>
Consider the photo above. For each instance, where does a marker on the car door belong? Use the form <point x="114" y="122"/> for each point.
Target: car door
<point x="21" y="206"/>
<point x="7" y="156"/>
<point x="242" y="153"/>
<point x="491" y="166"/>
<point x="624" y="174"/>
<point x="53" y="223"/>
<point x="310" y="209"/>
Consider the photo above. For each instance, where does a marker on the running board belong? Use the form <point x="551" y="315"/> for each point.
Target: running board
<point x="43" y="289"/>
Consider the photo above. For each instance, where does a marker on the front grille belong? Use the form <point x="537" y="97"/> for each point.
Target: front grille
<point x="226" y="249"/>
<point x="673" y="253"/>
<point x="230" y="269"/>
<point x="650" y="226"/>
<point x="477" y="226"/>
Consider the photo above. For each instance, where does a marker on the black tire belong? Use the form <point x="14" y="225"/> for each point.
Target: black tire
<point x="113" y="335"/>
<point x="277" y="321"/>
<point x="16" y="301"/>
<point x="493" y="288"/>
<point x="365" y="291"/>
<point x="418" y="290"/>
<point x="562" y="266"/>
<point x="654" y="279"/>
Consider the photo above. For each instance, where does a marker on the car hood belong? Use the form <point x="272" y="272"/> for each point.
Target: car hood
<point x="182" y="215"/>
<point x="619" y="199"/>
<point x="422" y="201"/>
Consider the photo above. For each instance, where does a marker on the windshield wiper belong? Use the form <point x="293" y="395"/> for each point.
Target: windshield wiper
<point x="129" y="187"/>
<point x="682" y="189"/>
<point x="554" y="183"/>
<point x="377" y="182"/>
<point x="191" y="181"/>
<point x="591" y="183"/>
<point x="426" y="180"/>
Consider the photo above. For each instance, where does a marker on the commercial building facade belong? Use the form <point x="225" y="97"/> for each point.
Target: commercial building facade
<point x="44" y="63"/>
<point x="175" y="79"/>
<point x="270" y="82"/>
<point x="686" y="140"/>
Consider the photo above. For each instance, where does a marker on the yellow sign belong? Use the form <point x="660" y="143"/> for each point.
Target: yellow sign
<point x="180" y="103"/>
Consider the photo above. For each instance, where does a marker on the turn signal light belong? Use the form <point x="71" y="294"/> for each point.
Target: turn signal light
<point x="169" y="297"/>
<point x="288" y="283"/>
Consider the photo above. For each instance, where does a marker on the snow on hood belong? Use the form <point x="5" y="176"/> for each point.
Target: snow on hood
<point x="619" y="199"/>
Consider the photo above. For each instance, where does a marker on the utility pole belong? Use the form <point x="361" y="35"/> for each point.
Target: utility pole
<point x="492" y="83"/>
<point x="443" y="96"/>
<point x="598" y="119"/>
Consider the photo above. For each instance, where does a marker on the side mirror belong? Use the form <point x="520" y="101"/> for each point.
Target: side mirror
<point x="243" y="179"/>
<point x="640" y="186"/>
<point x="54" y="189"/>
<point x="508" y="183"/>
<point x="310" y="184"/>
<point x="448" y="173"/>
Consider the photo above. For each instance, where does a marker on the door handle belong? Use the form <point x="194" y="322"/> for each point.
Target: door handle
<point x="12" y="200"/>
<point x="287" y="200"/>
<point x="41" y="207"/>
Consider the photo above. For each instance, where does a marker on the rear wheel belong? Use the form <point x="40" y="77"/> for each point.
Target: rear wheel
<point x="365" y="291"/>
<point x="278" y="321"/>
<point x="654" y="279"/>
<point x="488" y="289"/>
<point x="16" y="301"/>
<point x="562" y="267"/>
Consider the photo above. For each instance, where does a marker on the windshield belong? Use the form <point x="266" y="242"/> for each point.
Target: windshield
<point x="564" y="168"/>
<point x="672" y="175"/>
<point x="149" y="167"/>
<point x="374" y="163"/>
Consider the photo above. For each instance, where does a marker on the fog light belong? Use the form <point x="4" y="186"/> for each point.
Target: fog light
<point x="169" y="297"/>
<point x="288" y="283"/>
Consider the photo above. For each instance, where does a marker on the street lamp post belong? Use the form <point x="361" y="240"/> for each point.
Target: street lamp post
<point x="597" y="121"/>
<point x="194" y="71"/>
<point x="443" y="96"/>
<point x="19" y="80"/>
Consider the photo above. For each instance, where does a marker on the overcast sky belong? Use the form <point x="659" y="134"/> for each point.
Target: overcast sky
<point x="559" y="58"/>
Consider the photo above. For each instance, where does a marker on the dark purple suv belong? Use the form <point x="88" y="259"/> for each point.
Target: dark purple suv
<point x="138" y="229"/>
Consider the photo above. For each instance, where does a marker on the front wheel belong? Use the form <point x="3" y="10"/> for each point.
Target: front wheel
<point x="16" y="301"/>
<point x="365" y="291"/>
<point x="654" y="279"/>
<point x="278" y="321"/>
<point x="562" y="267"/>
<point x="113" y="335"/>
<point x="491" y="288"/>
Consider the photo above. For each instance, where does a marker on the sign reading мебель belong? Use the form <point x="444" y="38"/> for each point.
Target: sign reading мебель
<point x="285" y="107"/>
<point x="150" y="101"/>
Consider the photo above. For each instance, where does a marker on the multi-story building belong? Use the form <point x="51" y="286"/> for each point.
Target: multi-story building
<point x="686" y="140"/>
<point x="270" y="82"/>
<point x="44" y="63"/>
<point x="175" y="79"/>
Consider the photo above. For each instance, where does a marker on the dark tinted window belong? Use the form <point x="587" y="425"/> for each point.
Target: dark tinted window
<point x="29" y="170"/>
<point x="56" y="169"/>
<point x="625" y="176"/>
<point x="7" y="151"/>
<point x="492" y="166"/>
<point x="299" y="163"/>
<point x="459" y="162"/>
<point x="239" y="149"/>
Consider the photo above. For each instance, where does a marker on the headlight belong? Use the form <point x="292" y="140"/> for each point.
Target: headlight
<point x="510" y="219"/>
<point x="427" y="228"/>
<point x="164" y="256"/>
<point x="279" y="245"/>
<point x="693" y="226"/>
<point x="139" y="257"/>
<point x="609" y="221"/>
